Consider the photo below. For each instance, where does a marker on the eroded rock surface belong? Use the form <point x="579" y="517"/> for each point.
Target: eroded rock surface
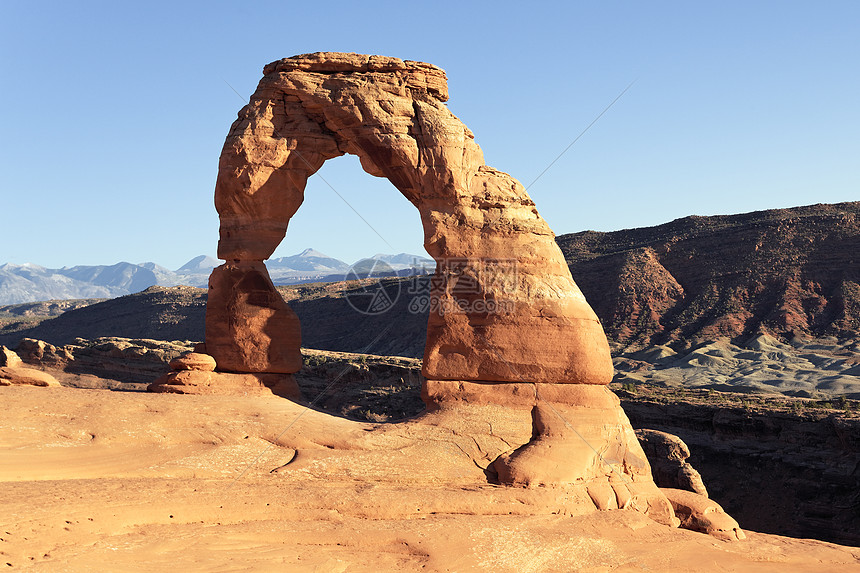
<point x="194" y="373"/>
<point x="25" y="377"/>
<point x="129" y="361"/>
<point x="668" y="456"/>
<point x="508" y="326"/>
<point x="763" y="272"/>
<point x="249" y="327"/>
<point x="698" y="513"/>
<point x="499" y="272"/>
<point x="13" y="372"/>
<point x="9" y="358"/>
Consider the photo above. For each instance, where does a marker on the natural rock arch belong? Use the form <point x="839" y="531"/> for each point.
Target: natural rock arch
<point x="480" y="225"/>
<point x="538" y="346"/>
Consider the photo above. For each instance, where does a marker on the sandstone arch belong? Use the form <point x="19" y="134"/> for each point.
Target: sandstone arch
<point x="545" y="351"/>
<point x="391" y="114"/>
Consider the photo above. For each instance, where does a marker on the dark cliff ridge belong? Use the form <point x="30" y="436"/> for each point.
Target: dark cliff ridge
<point x="785" y="272"/>
<point x="790" y="471"/>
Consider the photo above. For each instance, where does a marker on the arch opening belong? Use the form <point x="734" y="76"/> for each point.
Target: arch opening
<point x="349" y="215"/>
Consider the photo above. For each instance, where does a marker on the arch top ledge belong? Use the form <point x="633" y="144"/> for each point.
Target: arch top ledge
<point x="421" y="74"/>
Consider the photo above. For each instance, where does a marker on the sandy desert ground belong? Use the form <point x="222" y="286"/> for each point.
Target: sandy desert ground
<point x="129" y="481"/>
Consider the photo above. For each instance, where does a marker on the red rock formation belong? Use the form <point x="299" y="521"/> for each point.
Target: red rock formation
<point x="9" y="358"/>
<point x="668" y="454"/>
<point x="13" y="372"/>
<point x="698" y="513"/>
<point x="25" y="377"/>
<point x="491" y="246"/>
<point x="507" y="324"/>
<point x="193" y="373"/>
<point x="193" y="361"/>
<point x="785" y="272"/>
<point x="249" y="327"/>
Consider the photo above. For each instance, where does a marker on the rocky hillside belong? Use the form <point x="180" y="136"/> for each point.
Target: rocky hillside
<point x="785" y="272"/>
<point x="161" y="313"/>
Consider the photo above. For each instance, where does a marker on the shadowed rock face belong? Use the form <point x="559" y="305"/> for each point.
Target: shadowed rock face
<point x="508" y="309"/>
<point x="784" y="272"/>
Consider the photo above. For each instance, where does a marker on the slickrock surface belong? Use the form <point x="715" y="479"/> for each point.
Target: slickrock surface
<point x="777" y="464"/>
<point x="128" y="481"/>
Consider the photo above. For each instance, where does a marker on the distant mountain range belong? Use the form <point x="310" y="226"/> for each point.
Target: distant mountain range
<point x="30" y="283"/>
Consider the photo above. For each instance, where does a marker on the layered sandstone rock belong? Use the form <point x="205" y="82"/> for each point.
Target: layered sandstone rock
<point x="698" y="513"/>
<point x="668" y="456"/>
<point x="249" y="327"/>
<point x="194" y="373"/>
<point x="193" y="361"/>
<point x="14" y="373"/>
<point x="9" y="358"/>
<point x="499" y="272"/>
<point x="509" y="326"/>
<point x="128" y="361"/>
<point x="767" y="271"/>
<point x="25" y="377"/>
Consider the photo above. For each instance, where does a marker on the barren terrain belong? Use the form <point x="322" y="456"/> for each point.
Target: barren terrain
<point x="95" y="479"/>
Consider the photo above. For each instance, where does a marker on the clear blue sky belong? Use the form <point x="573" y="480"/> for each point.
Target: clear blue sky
<point x="115" y="114"/>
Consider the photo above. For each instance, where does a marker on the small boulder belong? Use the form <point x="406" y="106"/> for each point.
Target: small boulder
<point x="699" y="513"/>
<point x="667" y="455"/>
<point x="193" y="361"/>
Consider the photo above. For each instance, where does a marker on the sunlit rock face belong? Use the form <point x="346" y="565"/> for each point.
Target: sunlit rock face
<point x="504" y="306"/>
<point x="508" y="326"/>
